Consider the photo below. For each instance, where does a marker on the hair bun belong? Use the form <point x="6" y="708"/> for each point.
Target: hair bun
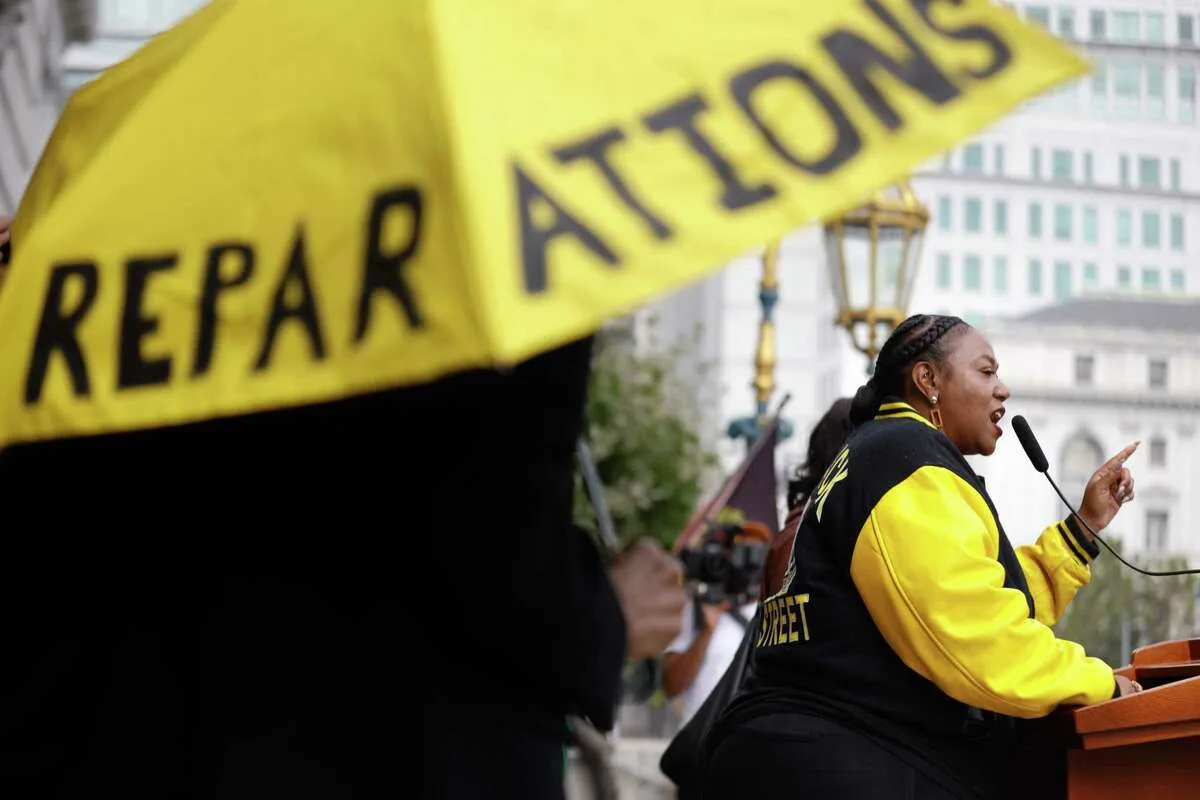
<point x="865" y="404"/>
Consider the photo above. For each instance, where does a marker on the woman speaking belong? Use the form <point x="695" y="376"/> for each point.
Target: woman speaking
<point x="909" y="632"/>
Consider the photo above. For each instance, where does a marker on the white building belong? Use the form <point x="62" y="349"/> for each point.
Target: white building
<point x="1093" y="375"/>
<point x="33" y="34"/>
<point x="1091" y="188"/>
<point x="122" y="26"/>
<point x="725" y="311"/>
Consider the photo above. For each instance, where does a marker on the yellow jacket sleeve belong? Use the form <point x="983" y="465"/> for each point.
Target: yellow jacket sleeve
<point x="925" y="566"/>
<point x="1056" y="567"/>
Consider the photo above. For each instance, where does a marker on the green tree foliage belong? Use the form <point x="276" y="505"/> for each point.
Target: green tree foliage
<point x="643" y="428"/>
<point x="1120" y="610"/>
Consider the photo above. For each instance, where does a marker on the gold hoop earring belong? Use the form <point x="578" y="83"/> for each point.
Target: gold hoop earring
<point x="935" y="414"/>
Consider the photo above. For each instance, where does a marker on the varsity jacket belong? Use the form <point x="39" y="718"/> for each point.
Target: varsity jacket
<point x="907" y="614"/>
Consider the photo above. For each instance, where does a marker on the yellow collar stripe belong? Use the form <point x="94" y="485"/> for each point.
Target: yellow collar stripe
<point x="900" y="411"/>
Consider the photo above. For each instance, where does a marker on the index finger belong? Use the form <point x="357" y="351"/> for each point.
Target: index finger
<point x="1120" y="458"/>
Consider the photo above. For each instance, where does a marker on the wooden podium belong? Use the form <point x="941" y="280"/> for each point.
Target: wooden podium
<point x="1146" y="746"/>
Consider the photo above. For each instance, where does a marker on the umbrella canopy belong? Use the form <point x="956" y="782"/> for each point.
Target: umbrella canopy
<point x="276" y="204"/>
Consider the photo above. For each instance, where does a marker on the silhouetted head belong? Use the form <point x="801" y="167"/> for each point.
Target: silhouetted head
<point x="824" y="443"/>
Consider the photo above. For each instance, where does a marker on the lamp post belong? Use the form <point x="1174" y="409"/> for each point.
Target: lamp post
<point x="872" y="253"/>
<point x="749" y="428"/>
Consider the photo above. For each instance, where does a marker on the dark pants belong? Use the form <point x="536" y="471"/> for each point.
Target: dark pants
<point x="799" y="756"/>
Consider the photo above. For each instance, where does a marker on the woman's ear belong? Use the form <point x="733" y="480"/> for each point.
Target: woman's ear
<point x="924" y="378"/>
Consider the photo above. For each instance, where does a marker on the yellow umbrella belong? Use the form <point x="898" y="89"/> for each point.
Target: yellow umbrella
<point x="276" y="204"/>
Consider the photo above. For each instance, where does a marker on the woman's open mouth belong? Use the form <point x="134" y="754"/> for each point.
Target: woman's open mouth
<point x="997" y="415"/>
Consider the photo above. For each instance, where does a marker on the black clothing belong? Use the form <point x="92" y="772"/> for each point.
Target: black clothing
<point x="901" y="584"/>
<point x="811" y="758"/>
<point x="323" y="602"/>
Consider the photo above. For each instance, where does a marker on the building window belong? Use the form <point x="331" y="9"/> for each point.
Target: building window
<point x="1151" y="232"/>
<point x="1100" y="86"/>
<point x="1062" y="165"/>
<point x="1087" y="168"/>
<point x="1178" y="281"/>
<point x="1038" y="15"/>
<point x="1156" y="532"/>
<point x="1175" y="175"/>
<point x="1035" y="276"/>
<point x="1090" y="233"/>
<point x="1187" y="93"/>
<point x="1156" y="91"/>
<point x="1035" y="162"/>
<point x="1154" y="27"/>
<point x="1062" y="280"/>
<point x="1124" y="277"/>
<point x="1151" y="280"/>
<point x="943" y="271"/>
<point x="1097" y="24"/>
<point x="1062" y="222"/>
<point x="1186" y="29"/>
<point x="1127" y="88"/>
<point x="1035" y="220"/>
<point x="1000" y="216"/>
<point x="944" y="218"/>
<point x="973" y="159"/>
<point x="1177" y="232"/>
<point x="972" y="274"/>
<point x="1091" y="275"/>
<point x="973" y="215"/>
<point x="1126" y="26"/>
<point x="1149" y="170"/>
<point x="998" y="159"/>
<point x="1158" y="452"/>
<point x="1124" y="227"/>
<point x="1085" y="367"/>
<point x="1123" y="168"/>
<point x="1066" y="22"/>
<point x="1158" y="373"/>
<point x="1000" y="275"/>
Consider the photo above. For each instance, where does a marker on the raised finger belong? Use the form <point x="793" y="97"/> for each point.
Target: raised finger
<point x="1119" y="459"/>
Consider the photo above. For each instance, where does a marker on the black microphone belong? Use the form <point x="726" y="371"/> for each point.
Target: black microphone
<point x="1033" y="450"/>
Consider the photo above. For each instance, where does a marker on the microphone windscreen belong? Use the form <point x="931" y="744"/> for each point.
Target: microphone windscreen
<point x="1030" y="443"/>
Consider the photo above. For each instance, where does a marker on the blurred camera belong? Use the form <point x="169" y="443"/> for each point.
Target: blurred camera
<point x="727" y="563"/>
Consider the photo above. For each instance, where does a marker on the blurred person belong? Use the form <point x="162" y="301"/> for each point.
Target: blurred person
<point x="682" y="761"/>
<point x="826" y="439"/>
<point x="380" y="596"/>
<point x="910" y="633"/>
<point x="709" y="637"/>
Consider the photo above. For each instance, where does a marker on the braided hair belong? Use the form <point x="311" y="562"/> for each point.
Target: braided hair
<point x="920" y="337"/>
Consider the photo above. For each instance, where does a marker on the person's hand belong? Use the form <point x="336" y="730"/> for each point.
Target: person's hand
<point x="1127" y="687"/>
<point x="649" y="585"/>
<point x="1110" y="487"/>
<point x="713" y="612"/>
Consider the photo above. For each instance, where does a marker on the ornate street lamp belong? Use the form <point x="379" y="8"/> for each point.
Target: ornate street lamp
<point x="748" y="428"/>
<point x="872" y="253"/>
